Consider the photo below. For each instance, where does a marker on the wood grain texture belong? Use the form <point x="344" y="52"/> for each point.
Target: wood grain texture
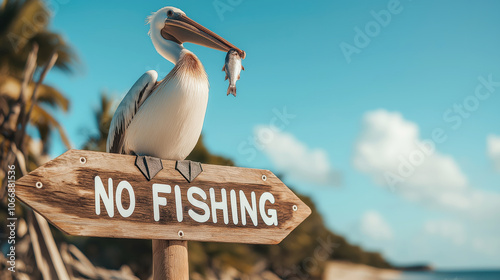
<point x="67" y="200"/>
<point x="170" y="260"/>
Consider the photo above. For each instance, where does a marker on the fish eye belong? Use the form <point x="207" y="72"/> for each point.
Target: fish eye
<point x="170" y="13"/>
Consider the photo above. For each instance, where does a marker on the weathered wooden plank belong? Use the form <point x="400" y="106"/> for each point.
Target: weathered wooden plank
<point x="66" y="196"/>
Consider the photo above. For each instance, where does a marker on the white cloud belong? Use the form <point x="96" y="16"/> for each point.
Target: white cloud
<point x="391" y="152"/>
<point x="450" y="230"/>
<point x="294" y="159"/>
<point x="494" y="150"/>
<point x="375" y="227"/>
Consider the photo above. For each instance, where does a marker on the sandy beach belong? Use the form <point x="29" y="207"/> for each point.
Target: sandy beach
<point x="348" y="271"/>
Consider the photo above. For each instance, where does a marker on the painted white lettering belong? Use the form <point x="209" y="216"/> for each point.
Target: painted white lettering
<point x="124" y="185"/>
<point x="245" y="207"/>
<point x="234" y="206"/>
<point x="197" y="203"/>
<point x="157" y="201"/>
<point x="272" y="215"/>
<point x="178" y="203"/>
<point x="222" y="205"/>
<point x="100" y="194"/>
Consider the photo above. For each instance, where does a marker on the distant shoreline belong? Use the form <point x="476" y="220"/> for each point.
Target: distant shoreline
<point x="347" y="271"/>
<point x="415" y="268"/>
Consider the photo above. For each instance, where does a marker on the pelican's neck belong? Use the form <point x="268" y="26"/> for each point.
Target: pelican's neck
<point x="170" y="50"/>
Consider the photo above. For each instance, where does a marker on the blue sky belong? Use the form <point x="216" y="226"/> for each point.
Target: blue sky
<point x="357" y="116"/>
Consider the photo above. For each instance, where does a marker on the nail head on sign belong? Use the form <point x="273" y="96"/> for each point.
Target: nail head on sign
<point x="264" y="177"/>
<point x="83" y="160"/>
<point x="39" y="185"/>
<point x="180" y="233"/>
<point x="294" y="208"/>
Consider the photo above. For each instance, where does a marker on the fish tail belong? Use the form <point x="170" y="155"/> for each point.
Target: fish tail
<point x="231" y="90"/>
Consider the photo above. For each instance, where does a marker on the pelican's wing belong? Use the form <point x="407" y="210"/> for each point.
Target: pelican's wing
<point x="127" y="109"/>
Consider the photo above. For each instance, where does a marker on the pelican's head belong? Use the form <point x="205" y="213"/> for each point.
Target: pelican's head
<point x="170" y="28"/>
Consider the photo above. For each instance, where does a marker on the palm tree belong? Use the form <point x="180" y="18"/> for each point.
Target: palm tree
<point x="26" y="48"/>
<point x="23" y="25"/>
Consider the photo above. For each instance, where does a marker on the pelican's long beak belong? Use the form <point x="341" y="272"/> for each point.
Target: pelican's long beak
<point x="182" y="29"/>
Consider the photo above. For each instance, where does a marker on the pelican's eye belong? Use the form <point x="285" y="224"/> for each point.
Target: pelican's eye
<point x="170" y="13"/>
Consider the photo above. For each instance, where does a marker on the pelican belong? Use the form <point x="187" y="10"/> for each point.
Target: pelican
<point x="163" y="119"/>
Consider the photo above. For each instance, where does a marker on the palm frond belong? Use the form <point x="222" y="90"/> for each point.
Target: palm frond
<point x="24" y="18"/>
<point x="51" y="96"/>
<point x="51" y="42"/>
<point x="10" y="88"/>
<point x="44" y="122"/>
<point x="102" y="116"/>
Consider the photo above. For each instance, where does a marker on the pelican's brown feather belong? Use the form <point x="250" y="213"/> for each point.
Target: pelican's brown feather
<point x="188" y="64"/>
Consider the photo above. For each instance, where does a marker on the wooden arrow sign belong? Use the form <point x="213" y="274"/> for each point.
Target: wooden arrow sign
<point x="105" y="195"/>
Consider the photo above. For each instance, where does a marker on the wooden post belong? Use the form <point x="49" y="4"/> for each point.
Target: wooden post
<point x="170" y="260"/>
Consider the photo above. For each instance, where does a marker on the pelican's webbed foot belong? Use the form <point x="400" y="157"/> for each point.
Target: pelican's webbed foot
<point x="189" y="169"/>
<point x="149" y="166"/>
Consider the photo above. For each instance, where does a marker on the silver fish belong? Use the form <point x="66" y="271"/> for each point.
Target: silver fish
<point x="232" y="67"/>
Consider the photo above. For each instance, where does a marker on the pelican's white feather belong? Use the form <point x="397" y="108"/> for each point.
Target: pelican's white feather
<point x="127" y="109"/>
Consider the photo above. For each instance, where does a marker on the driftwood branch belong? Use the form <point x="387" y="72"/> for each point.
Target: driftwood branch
<point x="21" y="159"/>
<point x="26" y="117"/>
<point x="15" y="115"/>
